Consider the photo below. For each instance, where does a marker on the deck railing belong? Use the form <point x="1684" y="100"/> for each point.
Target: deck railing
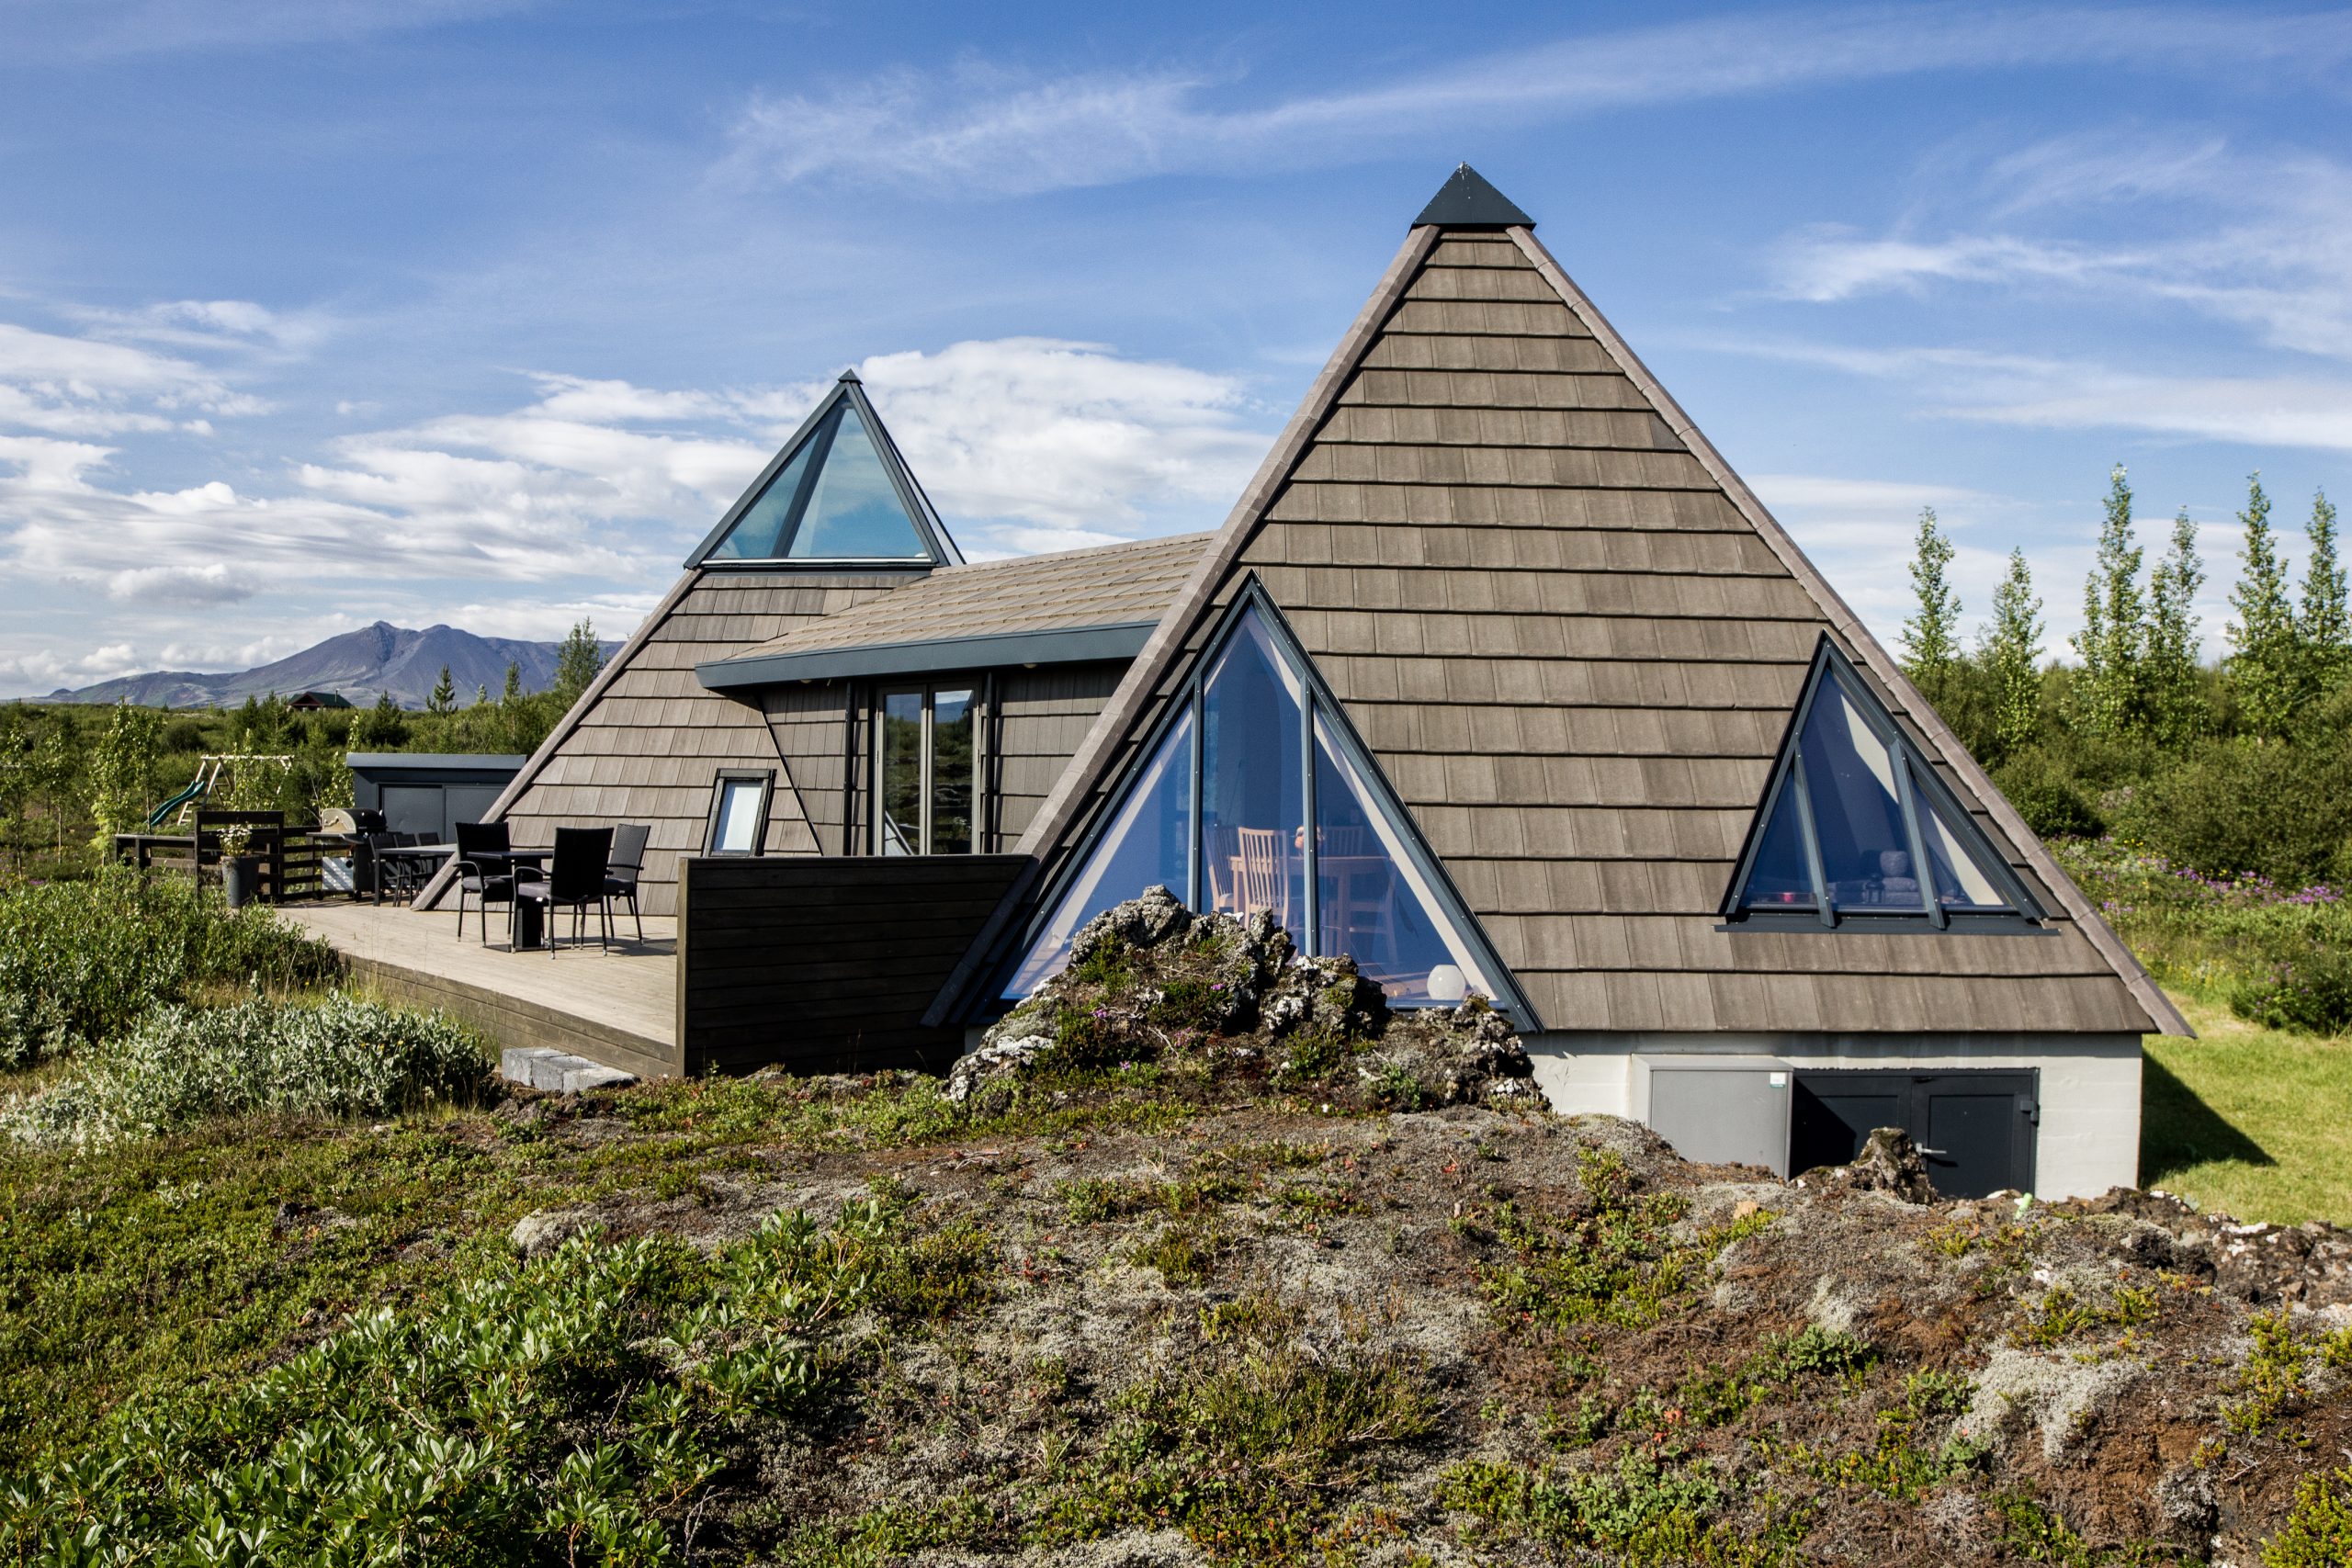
<point x="293" y="860"/>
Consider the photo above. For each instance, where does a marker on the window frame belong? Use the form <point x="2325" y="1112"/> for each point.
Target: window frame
<point x="1320" y="718"/>
<point x="1917" y="791"/>
<point x="977" y="691"/>
<point x="765" y="779"/>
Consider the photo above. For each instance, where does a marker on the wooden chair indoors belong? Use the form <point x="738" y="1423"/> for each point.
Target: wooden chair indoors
<point x="1262" y="871"/>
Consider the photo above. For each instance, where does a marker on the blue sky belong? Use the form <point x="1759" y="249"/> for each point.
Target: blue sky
<point x="314" y="312"/>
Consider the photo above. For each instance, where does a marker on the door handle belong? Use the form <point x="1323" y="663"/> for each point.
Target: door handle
<point x="1934" y="1154"/>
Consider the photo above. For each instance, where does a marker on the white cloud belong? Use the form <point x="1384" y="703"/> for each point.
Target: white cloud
<point x="80" y="386"/>
<point x="981" y="129"/>
<point x="1066" y="436"/>
<point x="2263" y="241"/>
<point x="1026" y="444"/>
<point x="2304" y="412"/>
<point x="215" y="583"/>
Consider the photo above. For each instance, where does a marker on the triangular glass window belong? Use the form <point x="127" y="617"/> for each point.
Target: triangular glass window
<point x="1149" y="844"/>
<point x="760" y="533"/>
<point x="853" y="512"/>
<point x="1361" y="884"/>
<point x="1852" y="815"/>
<point x="841" y="493"/>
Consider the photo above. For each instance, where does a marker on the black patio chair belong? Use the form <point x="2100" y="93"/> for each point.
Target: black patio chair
<point x="485" y="873"/>
<point x="575" y="879"/>
<point x="622" y="870"/>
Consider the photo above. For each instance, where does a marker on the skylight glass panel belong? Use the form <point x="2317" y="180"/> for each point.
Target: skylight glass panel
<point x="1149" y="845"/>
<point x="760" y="533"/>
<point x="853" y="510"/>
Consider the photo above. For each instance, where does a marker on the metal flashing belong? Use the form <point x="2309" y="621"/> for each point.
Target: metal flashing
<point x="1060" y="645"/>
<point x="1467" y="201"/>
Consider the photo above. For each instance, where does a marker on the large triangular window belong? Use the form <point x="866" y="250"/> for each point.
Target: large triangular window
<point x="1856" y="829"/>
<point x="838" y="492"/>
<point x="1219" y="810"/>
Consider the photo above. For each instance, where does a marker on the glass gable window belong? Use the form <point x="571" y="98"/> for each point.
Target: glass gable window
<point x="925" y="771"/>
<point x="1149" y="845"/>
<point x="1856" y="827"/>
<point x="1355" y="885"/>
<point x="834" y="500"/>
<point x="1371" y="903"/>
<point x="1254" y="787"/>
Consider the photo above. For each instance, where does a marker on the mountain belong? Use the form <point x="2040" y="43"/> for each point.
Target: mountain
<point x="358" y="665"/>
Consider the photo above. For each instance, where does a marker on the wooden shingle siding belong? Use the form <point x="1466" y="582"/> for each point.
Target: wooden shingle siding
<point x="1043" y="716"/>
<point x="1574" y="654"/>
<point x="822" y="963"/>
<point x="810" y="722"/>
<point x="648" y="746"/>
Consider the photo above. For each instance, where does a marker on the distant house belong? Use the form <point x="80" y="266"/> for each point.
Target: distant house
<point x="1497" y="678"/>
<point x="311" y="702"/>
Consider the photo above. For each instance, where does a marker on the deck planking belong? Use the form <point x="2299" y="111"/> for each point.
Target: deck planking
<point x="618" y="1008"/>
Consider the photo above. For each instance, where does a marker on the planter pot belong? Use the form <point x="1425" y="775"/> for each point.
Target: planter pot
<point x="241" y="879"/>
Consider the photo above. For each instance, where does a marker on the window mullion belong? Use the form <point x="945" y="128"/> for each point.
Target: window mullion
<point x="1812" y="839"/>
<point x="1192" y="851"/>
<point x="1310" y="890"/>
<point x="1908" y="789"/>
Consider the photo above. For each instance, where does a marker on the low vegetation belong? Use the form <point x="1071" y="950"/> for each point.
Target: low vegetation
<point x="179" y="1066"/>
<point x="1219" y="1265"/>
<point x="82" y="961"/>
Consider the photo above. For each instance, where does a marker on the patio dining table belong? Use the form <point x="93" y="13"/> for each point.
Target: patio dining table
<point x="431" y="855"/>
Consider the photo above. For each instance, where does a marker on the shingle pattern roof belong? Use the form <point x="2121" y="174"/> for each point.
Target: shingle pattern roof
<point x="1109" y="585"/>
<point x="1572" y="641"/>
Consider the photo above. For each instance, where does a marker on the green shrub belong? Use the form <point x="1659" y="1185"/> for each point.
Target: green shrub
<point x="2312" y="991"/>
<point x="339" y="1057"/>
<point x="2282" y="811"/>
<point x="80" y="961"/>
<point x="2052" y="804"/>
<point x="573" y="1409"/>
<point x="2318" y="1534"/>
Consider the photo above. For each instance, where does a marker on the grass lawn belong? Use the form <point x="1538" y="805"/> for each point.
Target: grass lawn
<point x="2249" y="1121"/>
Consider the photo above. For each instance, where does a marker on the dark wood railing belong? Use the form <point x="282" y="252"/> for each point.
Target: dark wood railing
<point x="292" y="861"/>
<point x="825" y="963"/>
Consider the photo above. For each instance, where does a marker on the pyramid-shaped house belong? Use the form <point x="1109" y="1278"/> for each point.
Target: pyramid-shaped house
<point x="1497" y="678"/>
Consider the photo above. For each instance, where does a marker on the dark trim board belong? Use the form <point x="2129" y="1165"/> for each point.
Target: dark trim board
<point x="825" y="963"/>
<point x="1062" y="645"/>
<point x="511" y="1022"/>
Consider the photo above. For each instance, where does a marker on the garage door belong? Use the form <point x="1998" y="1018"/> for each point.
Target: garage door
<point x="1975" y="1129"/>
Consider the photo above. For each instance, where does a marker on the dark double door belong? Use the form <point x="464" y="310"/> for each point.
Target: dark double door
<point x="1975" y="1129"/>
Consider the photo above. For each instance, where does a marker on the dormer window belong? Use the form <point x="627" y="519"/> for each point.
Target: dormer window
<point x="1856" y="827"/>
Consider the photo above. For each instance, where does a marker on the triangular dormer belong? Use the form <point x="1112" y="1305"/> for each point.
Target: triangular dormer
<point x="1852" y="814"/>
<point x="839" y="493"/>
<point x="1257" y="795"/>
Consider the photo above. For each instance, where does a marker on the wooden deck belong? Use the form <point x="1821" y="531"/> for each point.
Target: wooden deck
<point x="618" y="1008"/>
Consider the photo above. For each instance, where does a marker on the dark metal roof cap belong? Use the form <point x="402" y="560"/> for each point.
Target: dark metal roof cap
<point x="851" y="376"/>
<point x="1467" y="201"/>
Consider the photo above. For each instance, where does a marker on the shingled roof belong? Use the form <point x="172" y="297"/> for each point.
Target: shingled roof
<point x="1124" y="587"/>
<point x="1572" y="639"/>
